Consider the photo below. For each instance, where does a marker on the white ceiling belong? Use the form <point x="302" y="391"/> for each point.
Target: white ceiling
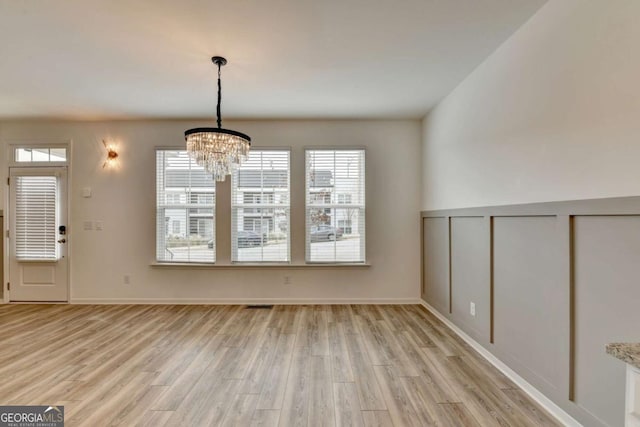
<point x="89" y="59"/>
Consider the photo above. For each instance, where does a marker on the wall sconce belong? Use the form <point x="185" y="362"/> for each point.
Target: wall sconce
<point x="112" y="154"/>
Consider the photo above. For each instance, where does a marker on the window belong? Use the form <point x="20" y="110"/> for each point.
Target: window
<point x="36" y="217"/>
<point x="335" y="205"/>
<point x="185" y="208"/>
<point x="173" y="199"/>
<point x="40" y="154"/>
<point x="344" y="199"/>
<point x="345" y="225"/>
<point x="260" y="208"/>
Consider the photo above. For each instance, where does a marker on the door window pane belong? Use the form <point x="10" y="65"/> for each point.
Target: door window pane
<point x="36" y="217"/>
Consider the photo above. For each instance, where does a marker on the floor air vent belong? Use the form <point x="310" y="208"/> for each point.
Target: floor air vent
<point x="268" y="306"/>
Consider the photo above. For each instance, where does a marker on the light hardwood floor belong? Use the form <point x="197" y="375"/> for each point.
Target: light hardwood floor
<point x="229" y="365"/>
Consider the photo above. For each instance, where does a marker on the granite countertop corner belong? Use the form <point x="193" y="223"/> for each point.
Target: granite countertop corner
<point x="627" y="352"/>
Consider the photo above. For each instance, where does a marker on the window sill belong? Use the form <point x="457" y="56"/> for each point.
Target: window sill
<point x="286" y="266"/>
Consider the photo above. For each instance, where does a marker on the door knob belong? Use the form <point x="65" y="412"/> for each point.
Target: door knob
<point x="62" y="241"/>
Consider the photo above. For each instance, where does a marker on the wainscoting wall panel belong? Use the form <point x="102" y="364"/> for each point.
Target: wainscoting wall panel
<point x="470" y="275"/>
<point x="607" y="283"/>
<point x="436" y="273"/>
<point x="553" y="283"/>
<point x="530" y="305"/>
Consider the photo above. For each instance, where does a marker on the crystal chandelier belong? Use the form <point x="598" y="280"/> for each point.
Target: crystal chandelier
<point x="218" y="150"/>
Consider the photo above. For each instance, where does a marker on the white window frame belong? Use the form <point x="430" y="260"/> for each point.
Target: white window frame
<point x="14" y="147"/>
<point x="185" y="206"/>
<point x="235" y="205"/>
<point x="334" y="205"/>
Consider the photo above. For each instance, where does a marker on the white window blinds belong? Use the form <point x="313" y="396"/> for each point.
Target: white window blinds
<point x="185" y="209"/>
<point x="36" y="217"/>
<point x="260" y="208"/>
<point x="335" y="205"/>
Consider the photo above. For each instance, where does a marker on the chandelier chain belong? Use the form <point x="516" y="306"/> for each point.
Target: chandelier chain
<point x="219" y="98"/>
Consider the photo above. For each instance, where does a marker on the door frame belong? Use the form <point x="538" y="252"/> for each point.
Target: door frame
<point x="10" y="147"/>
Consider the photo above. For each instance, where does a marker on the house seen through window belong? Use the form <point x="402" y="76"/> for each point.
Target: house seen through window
<point x="260" y="208"/>
<point x="185" y="209"/>
<point x="335" y="205"/>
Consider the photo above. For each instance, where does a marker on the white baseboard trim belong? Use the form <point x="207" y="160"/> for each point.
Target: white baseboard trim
<point x="533" y="392"/>
<point x="244" y="301"/>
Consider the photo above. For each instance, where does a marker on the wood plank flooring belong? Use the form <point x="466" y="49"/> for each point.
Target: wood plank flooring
<point x="339" y="365"/>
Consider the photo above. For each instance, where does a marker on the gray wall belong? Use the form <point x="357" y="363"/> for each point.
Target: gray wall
<point x="553" y="283"/>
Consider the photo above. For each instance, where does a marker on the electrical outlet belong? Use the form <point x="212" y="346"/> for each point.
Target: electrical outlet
<point x="472" y="308"/>
<point x="287" y="280"/>
<point x="127" y="279"/>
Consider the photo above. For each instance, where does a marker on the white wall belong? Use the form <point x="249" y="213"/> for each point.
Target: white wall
<point x="553" y="114"/>
<point x="124" y="200"/>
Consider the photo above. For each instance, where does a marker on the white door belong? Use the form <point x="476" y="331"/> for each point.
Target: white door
<point x="38" y="263"/>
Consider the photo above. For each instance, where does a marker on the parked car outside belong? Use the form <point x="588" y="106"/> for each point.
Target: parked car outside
<point x="247" y="239"/>
<point x="321" y="233"/>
